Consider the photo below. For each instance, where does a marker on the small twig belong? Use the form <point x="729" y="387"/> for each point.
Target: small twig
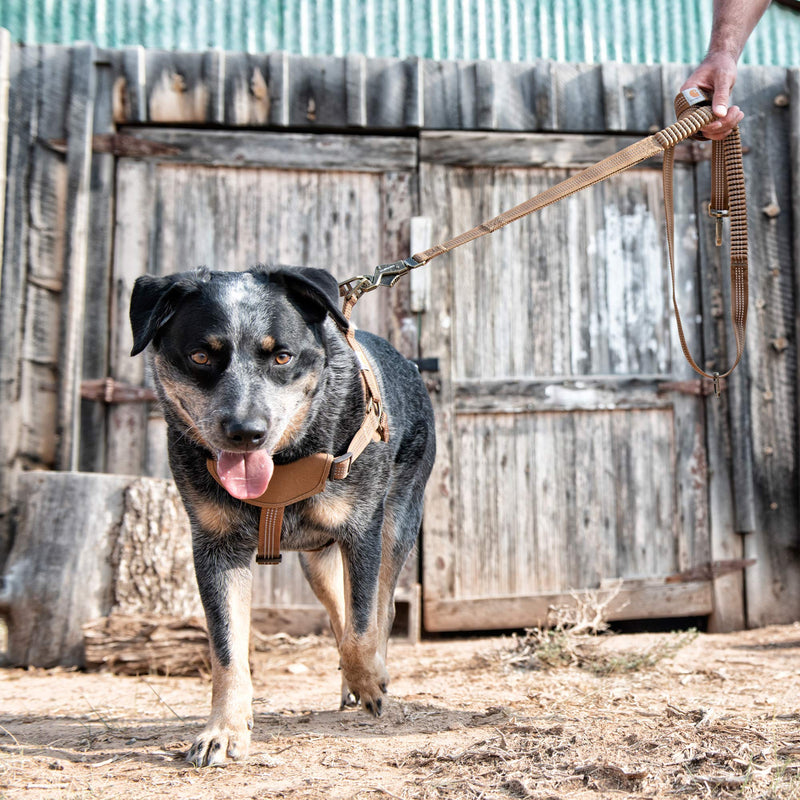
<point x="8" y="733"/>
<point x="177" y="715"/>
<point x="99" y="715"/>
<point x="106" y="762"/>
<point x="387" y="792"/>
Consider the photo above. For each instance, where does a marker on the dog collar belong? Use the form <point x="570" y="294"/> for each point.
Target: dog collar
<point x="308" y="476"/>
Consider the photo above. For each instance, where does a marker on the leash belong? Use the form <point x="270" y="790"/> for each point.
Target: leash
<point x="308" y="476"/>
<point x="692" y="107"/>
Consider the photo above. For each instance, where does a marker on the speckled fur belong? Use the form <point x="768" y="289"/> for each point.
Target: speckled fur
<point x="366" y="524"/>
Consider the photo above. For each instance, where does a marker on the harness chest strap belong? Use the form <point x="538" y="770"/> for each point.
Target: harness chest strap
<point x="299" y="480"/>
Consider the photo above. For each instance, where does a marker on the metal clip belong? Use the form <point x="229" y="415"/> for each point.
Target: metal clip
<point x="718" y="214"/>
<point x="384" y="275"/>
<point x="716" y="384"/>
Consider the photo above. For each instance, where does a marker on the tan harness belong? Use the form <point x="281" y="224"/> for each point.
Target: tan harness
<point x="306" y="477"/>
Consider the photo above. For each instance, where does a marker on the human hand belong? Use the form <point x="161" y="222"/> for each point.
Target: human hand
<point x="717" y="73"/>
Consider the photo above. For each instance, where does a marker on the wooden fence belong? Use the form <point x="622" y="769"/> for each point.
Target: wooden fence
<point x="573" y="395"/>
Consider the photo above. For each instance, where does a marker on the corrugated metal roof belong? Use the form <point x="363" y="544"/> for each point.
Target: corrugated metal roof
<point x="590" y="31"/>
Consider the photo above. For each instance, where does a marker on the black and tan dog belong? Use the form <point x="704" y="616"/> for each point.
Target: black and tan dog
<point x="253" y="370"/>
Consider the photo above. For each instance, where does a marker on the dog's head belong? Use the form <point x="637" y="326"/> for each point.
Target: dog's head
<point x="238" y="357"/>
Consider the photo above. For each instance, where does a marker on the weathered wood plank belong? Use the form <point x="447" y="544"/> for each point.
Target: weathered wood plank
<point x="80" y="114"/>
<point x="377" y="93"/>
<point x="528" y="538"/>
<point x="285" y="150"/>
<point x="130" y="87"/>
<point x="393" y="94"/>
<point x="436" y="340"/>
<point x="578" y="89"/>
<point x="179" y="87"/>
<point x="631" y="97"/>
<point x="24" y="90"/>
<point x="555" y="393"/>
<point x="637" y="601"/>
<point x="135" y="212"/>
<point x="247" y="95"/>
<point x="770" y="374"/>
<point x="521" y="149"/>
<point x="691" y="460"/>
<point x="96" y="334"/>
<point x="5" y="80"/>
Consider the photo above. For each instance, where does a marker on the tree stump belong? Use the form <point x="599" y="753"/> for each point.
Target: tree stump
<point x="86" y="546"/>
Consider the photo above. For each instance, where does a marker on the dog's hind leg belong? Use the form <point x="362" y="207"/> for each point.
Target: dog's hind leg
<point x="225" y="589"/>
<point x="360" y="653"/>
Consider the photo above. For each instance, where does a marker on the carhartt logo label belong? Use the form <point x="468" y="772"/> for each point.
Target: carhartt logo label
<point x="693" y="95"/>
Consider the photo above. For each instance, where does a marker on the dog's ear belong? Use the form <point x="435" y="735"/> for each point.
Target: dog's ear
<point x="315" y="291"/>
<point x="153" y="303"/>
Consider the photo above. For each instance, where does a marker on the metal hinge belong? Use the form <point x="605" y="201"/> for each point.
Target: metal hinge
<point x="121" y="144"/>
<point x="107" y="390"/>
<point x="697" y="387"/>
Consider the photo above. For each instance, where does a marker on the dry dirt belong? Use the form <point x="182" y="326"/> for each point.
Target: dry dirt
<point x="718" y="718"/>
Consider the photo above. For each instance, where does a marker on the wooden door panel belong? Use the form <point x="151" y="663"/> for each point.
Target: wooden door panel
<point x="565" y="463"/>
<point x="549" y="502"/>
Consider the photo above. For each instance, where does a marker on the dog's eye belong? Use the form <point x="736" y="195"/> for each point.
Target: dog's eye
<point x="282" y="359"/>
<point x="200" y="357"/>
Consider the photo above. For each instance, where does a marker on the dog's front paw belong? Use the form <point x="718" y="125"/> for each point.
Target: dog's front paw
<point x="217" y="743"/>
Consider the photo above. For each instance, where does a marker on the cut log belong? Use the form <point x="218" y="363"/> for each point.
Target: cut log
<point x="88" y="545"/>
<point x="140" y="644"/>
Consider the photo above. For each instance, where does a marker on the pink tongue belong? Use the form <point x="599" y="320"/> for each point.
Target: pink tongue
<point x="245" y="475"/>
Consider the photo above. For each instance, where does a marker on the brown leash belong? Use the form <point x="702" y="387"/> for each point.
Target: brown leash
<point x="308" y="476"/>
<point x="727" y="199"/>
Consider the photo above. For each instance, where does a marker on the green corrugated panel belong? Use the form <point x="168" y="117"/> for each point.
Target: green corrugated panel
<point x="591" y="31"/>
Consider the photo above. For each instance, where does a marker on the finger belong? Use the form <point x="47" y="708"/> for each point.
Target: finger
<point x="719" y="103"/>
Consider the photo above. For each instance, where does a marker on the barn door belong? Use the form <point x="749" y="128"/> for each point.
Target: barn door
<point x="230" y="200"/>
<point x="571" y="450"/>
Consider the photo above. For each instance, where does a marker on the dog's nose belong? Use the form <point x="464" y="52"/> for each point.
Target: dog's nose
<point x="245" y="432"/>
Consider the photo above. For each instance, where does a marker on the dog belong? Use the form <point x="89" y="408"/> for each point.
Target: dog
<point x="253" y="370"/>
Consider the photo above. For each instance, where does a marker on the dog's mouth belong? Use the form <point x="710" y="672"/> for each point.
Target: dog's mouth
<point x="245" y="475"/>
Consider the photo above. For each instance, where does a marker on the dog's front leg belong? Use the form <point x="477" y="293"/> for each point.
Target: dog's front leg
<point x="361" y="661"/>
<point x="225" y="579"/>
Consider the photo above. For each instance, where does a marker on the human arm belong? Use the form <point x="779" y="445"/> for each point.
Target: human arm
<point x="733" y="22"/>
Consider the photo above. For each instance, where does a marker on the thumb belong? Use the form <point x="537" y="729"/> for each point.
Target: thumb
<point x="719" y="103"/>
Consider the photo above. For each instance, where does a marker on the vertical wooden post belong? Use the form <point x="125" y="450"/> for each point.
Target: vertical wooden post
<point x="96" y="336"/>
<point x="5" y="68"/>
<point x="794" y="169"/>
<point x="79" y="161"/>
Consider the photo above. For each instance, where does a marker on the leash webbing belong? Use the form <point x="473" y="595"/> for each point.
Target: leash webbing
<point x="727" y="199"/>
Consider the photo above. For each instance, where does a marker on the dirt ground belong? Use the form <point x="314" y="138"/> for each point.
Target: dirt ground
<point x="716" y="716"/>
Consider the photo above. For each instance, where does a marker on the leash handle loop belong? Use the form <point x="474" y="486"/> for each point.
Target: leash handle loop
<point x="727" y="200"/>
